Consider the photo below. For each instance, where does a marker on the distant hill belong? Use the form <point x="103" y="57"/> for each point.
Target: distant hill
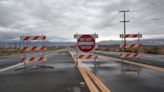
<point x="143" y="41"/>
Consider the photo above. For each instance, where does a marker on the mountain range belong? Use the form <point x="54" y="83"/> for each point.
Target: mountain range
<point x="143" y="41"/>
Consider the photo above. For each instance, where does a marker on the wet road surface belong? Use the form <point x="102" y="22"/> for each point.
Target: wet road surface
<point x="127" y="78"/>
<point x="152" y="59"/>
<point x="64" y="77"/>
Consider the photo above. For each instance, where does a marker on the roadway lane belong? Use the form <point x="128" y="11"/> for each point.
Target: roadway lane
<point x="6" y="61"/>
<point x="152" y="59"/>
<point x="110" y="73"/>
<point x="64" y="77"/>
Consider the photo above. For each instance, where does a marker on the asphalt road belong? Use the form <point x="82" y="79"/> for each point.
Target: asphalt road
<point x="64" y="77"/>
<point x="120" y="77"/>
<point x="7" y="61"/>
<point x="152" y="59"/>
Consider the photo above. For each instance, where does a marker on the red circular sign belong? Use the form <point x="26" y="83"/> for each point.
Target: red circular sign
<point x="86" y="43"/>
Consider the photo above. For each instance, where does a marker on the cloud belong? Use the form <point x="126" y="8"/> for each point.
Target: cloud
<point x="61" y="19"/>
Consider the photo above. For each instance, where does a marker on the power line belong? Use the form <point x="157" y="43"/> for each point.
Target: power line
<point x="114" y="18"/>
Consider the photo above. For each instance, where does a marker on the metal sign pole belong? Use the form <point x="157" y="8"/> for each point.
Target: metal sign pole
<point x="94" y="50"/>
<point x="24" y="53"/>
<point x="122" y="50"/>
<point x="76" y="51"/>
<point x="138" y="53"/>
<point x="43" y="52"/>
<point x="138" y="48"/>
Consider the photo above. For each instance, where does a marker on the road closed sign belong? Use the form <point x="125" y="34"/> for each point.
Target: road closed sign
<point x="86" y="43"/>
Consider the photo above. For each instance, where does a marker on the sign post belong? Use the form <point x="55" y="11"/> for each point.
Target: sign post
<point x="86" y="44"/>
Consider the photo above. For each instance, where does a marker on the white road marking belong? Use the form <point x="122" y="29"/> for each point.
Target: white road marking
<point x="11" y="67"/>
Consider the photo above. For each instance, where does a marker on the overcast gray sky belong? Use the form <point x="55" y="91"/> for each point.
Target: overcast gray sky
<point x="60" y="19"/>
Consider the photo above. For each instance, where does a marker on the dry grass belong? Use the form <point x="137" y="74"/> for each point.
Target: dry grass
<point x="154" y="49"/>
<point x="145" y="49"/>
<point x="9" y="51"/>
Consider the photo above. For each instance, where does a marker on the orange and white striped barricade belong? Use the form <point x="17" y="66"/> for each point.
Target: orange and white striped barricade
<point x="87" y="57"/>
<point x="130" y="55"/>
<point x="131" y="36"/>
<point x="33" y="58"/>
<point x="33" y="48"/>
<point x="125" y="46"/>
<point x="131" y="45"/>
<point x="27" y="59"/>
<point x="29" y="38"/>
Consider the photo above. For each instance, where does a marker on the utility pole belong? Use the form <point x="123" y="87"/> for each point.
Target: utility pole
<point x="124" y="21"/>
<point x="124" y="38"/>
